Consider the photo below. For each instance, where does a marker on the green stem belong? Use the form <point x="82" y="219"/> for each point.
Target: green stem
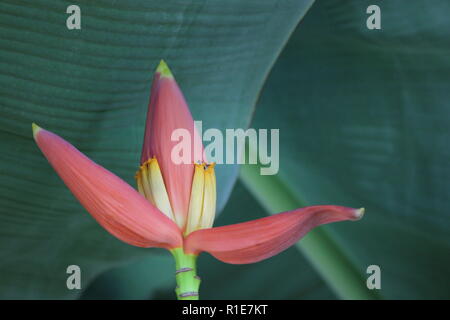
<point x="188" y="282"/>
<point x="328" y="258"/>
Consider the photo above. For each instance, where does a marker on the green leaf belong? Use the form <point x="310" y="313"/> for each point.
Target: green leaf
<point x="91" y="87"/>
<point x="363" y="118"/>
<point x="138" y="280"/>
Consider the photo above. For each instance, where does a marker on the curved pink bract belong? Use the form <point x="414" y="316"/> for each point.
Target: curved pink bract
<point x="263" y="238"/>
<point x="112" y="202"/>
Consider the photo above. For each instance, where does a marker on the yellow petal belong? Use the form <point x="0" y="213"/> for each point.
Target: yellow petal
<point x="209" y="199"/>
<point x="145" y="183"/>
<point x="139" y="183"/>
<point x="196" y="200"/>
<point x="158" y="189"/>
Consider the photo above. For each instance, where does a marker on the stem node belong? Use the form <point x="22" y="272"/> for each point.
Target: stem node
<point x="188" y="282"/>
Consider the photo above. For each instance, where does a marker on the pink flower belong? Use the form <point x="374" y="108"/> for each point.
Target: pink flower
<point x="175" y="204"/>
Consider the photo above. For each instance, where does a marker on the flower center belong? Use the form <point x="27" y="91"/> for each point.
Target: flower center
<point x="202" y="203"/>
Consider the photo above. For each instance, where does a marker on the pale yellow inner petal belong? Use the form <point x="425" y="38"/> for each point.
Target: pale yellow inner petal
<point x="139" y="183"/>
<point x="196" y="201"/>
<point x="151" y="185"/>
<point x="158" y="188"/>
<point x="202" y="205"/>
<point x="144" y="184"/>
<point x="209" y="199"/>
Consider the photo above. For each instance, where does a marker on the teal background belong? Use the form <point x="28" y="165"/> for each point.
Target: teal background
<point x="363" y="118"/>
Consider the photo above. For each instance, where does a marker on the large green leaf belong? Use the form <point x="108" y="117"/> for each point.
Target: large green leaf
<point x="91" y="86"/>
<point x="364" y="120"/>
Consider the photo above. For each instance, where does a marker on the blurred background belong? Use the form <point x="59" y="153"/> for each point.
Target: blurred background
<point x="363" y="116"/>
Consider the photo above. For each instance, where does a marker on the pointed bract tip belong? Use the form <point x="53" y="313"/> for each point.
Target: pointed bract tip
<point x="359" y="213"/>
<point x="36" y="129"/>
<point x="163" y="70"/>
